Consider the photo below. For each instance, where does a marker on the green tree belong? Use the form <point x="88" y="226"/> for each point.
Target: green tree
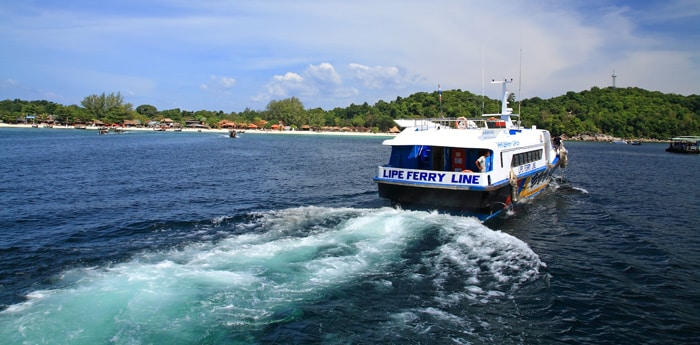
<point x="290" y="111"/>
<point x="107" y="107"/>
<point x="147" y="110"/>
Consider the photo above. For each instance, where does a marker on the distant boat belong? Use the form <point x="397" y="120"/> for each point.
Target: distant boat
<point x="684" y="144"/>
<point x="480" y="166"/>
<point x="619" y="142"/>
<point x="635" y="143"/>
<point x="232" y="133"/>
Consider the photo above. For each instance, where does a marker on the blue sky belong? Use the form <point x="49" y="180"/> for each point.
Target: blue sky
<point x="233" y="55"/>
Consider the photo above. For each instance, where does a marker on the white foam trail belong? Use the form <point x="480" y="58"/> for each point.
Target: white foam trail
<point x="485" y="264"/>
<point x="245" y="282"/>
<point x="472" y="265"/>
<point x="582" y="190"/>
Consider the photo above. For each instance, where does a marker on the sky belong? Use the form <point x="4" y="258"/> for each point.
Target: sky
<point x="235" y="55"/>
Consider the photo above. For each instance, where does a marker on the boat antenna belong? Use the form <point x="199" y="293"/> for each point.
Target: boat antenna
<point x="520" y="76"/>
<point x="520" y="80"/>
<point x="483" y="81"/>
<point x="440" y="98"/>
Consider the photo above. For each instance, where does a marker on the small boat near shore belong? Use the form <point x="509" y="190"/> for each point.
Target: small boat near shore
<point x="232" y="133"/>
<point x="684" y="144"/>
<point x="479" y="167"/>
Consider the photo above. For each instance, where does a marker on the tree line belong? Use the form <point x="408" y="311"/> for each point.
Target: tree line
<point x="619" y="112"/>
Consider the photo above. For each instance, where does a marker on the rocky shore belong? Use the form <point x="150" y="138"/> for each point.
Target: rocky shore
<point x="599" y="137"/>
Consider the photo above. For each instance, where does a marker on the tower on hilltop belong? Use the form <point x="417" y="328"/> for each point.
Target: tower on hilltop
<point x="613" y="78"/>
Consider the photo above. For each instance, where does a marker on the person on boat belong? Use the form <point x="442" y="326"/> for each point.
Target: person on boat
<point x="481" y="162"/>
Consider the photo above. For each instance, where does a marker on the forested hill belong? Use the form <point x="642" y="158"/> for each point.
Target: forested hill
<point x="619" y="112"/>
<point x="616" y="112"/>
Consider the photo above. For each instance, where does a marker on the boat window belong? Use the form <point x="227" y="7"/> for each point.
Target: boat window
<point x="425" y="161"/>
<point x="404" y="157"/>
<point x="526" y="157"/>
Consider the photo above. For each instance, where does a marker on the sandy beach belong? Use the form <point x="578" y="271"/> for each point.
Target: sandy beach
<point x="205" y="130"/>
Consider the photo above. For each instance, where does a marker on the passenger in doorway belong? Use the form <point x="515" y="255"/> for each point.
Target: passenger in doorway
<point x="481" y="162"/>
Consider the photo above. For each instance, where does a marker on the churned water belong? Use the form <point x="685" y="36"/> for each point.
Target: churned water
<point x="196" y="238"/>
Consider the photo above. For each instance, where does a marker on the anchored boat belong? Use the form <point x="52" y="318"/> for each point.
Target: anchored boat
<point x="480" y="167"/>
<point x="684" y="144"/>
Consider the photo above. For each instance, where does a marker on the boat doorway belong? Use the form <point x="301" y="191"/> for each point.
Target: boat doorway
<point x="438" y="158"/>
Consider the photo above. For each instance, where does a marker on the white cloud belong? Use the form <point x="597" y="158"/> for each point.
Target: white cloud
<point x="377" y="77"/>
<point x="314" y="82"/>
<point x="289" y="77"/>
<point x="218" y="84"/>
<point x="323" y="73"/>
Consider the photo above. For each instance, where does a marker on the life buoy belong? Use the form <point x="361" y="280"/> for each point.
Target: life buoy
<point x="462" y="122"/>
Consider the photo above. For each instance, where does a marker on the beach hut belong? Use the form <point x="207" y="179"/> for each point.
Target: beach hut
<point x="227" y="124"/>
<point x="131" y="123"/>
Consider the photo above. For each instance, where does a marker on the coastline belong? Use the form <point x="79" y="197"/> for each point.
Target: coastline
<point x="206" y="130"/>
<point x="579" y="137"/>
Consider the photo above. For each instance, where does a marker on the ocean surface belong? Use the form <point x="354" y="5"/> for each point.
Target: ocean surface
<point x="197" y="238"/>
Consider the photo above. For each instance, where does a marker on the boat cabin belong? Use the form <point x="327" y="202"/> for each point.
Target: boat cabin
<point x="438" y="158"/>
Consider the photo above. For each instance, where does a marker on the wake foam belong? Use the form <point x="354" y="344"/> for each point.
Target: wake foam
<point x="284" y="259"/>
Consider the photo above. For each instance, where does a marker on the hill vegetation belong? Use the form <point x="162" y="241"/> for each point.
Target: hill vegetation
<point x="617" y="112"/>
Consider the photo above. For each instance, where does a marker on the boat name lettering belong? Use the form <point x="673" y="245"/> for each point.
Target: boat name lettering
<point x="414" y="175"/>
<point x="426" y="176"/>
<point x="465" y="179"/>
<point x="508" y="144"/>
<point x="526" y="167"/>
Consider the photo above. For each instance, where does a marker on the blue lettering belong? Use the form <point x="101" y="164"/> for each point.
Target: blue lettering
<point x="466" y="179"/>
<point x="394" y="174"/>
<point x="441" y="176"/>
<point x="423" y="176"/>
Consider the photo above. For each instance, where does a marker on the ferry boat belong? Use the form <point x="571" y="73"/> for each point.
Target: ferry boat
<point x="478" y="167"/>
<point x="684" y="144"/>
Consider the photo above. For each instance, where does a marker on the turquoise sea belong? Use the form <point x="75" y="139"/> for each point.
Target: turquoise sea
<point x="197" y="238"/>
